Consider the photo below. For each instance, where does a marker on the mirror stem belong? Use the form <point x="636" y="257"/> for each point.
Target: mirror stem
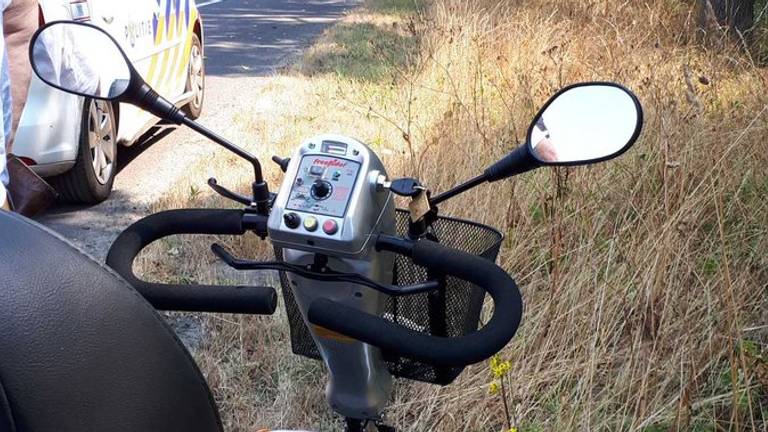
<point x="517" y="162"/>
<point x="458" y="189"/>
<point x="146" y="98"/>
<point x="143" y="96"/>
<point x="218" y="139"/>
<point x="260" y="188"/>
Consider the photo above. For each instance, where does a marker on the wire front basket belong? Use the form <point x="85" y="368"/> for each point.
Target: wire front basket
<point x="452" y="311"/>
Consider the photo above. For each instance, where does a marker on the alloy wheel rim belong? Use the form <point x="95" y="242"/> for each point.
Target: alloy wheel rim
<point x="101" y="139"/>
<point x="196" y="78"/>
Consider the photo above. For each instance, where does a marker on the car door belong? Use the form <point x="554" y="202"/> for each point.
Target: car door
<point x="174" y="22"/>
<point x="138" y="26"/>
<point x="130" y="23"/>
<point x="155" y="34"/>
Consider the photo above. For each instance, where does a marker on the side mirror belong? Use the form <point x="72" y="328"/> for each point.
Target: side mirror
<point x="585" y="124"/>
<point x="582" y="124"/>
<point x="82" y="59"/>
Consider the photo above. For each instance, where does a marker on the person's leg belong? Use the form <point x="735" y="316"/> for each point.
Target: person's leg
<point x="20" y="20"/>
<point x="4" y="204"/>
<point x="5" y="114"/>
<point x="5" y="117"/>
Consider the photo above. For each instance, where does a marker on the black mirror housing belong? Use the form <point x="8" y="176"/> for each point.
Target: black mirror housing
<point x="591" y="105"/>
<point x="585" y="123"/>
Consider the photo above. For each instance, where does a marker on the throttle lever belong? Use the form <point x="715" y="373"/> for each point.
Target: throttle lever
<point x="327" y="275"/>
<point x="226" y="193"/>
<point x="224" y="255"/>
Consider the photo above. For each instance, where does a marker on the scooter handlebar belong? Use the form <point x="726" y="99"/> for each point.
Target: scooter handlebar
<point x="194" y="298"/>
<point x="440" y="351"/>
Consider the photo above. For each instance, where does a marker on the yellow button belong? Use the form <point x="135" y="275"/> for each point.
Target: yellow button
<point x="310" y="224"/>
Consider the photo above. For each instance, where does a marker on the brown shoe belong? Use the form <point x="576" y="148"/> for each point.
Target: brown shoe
<point x="29" y="193"/>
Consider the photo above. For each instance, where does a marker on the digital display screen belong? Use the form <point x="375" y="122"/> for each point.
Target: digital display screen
<point x="335" y="148"/>
<point x="317" y="170"/>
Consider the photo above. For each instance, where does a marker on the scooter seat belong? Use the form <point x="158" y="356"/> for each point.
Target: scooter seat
<point x="82" y="351"/>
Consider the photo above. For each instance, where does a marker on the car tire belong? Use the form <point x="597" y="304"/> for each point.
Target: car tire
<point x="90" y="180"/>
<point x="195" y="79"/>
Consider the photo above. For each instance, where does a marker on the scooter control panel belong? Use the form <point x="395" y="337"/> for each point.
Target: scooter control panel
<point x="323" y="185"/>
<point x="329" y="202"/>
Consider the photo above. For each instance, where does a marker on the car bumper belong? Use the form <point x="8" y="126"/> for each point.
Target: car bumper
<point x="49" y="129"/>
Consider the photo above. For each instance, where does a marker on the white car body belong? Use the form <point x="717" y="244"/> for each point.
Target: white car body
<point x="155" y="34"/>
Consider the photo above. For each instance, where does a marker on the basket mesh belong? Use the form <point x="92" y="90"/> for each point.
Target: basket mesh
<point x="454" y="311"/>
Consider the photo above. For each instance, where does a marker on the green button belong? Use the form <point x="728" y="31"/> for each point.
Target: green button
<point x="310" y="224"/>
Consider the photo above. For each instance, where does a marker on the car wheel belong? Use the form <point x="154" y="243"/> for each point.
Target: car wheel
<point x="195" y="79"/>
<point x="90" y="180"/>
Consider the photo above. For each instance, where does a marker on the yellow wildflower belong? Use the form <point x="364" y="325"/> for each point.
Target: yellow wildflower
<point x="500" y="368"/>
<point x="493" y="388"/>
<point x="495" y="360"/>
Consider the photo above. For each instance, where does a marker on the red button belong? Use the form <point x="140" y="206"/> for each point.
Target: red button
<point x="330" y="227"/>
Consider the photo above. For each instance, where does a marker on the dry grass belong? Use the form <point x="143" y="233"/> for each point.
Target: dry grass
<point x="645" y="278"/>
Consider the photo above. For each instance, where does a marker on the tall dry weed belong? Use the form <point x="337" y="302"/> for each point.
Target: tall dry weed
<point x="645" y="278"/>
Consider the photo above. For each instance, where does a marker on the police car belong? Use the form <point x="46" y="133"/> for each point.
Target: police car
<point x="72" y="141"/>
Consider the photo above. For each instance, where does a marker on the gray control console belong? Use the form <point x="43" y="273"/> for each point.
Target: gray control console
<point x="329" y="201"/>
<point x="330" y="204"/>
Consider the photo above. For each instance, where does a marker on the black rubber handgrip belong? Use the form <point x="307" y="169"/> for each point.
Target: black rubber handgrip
<point x="439" y="351"/>
<point x="197" y="298"/>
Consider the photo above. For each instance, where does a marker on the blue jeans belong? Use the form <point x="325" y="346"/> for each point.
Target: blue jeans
<point x="6" y="118"/>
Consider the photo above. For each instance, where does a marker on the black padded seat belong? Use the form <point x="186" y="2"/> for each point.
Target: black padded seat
<point x="81" y="351"/>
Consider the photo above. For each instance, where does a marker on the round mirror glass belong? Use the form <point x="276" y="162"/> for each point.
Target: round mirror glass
<point x="81" y="59"/>
<point x="585" y="123"/>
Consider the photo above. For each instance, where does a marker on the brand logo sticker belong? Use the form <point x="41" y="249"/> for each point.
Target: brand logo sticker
<point x="334" y="163"/>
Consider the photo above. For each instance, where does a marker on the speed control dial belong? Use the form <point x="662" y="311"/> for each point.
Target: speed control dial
<point x="321" y="190"/>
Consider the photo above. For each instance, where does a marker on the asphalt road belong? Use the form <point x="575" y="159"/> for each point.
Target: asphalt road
<point x="246" y="41"/>
<point x="252" y="37"/>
